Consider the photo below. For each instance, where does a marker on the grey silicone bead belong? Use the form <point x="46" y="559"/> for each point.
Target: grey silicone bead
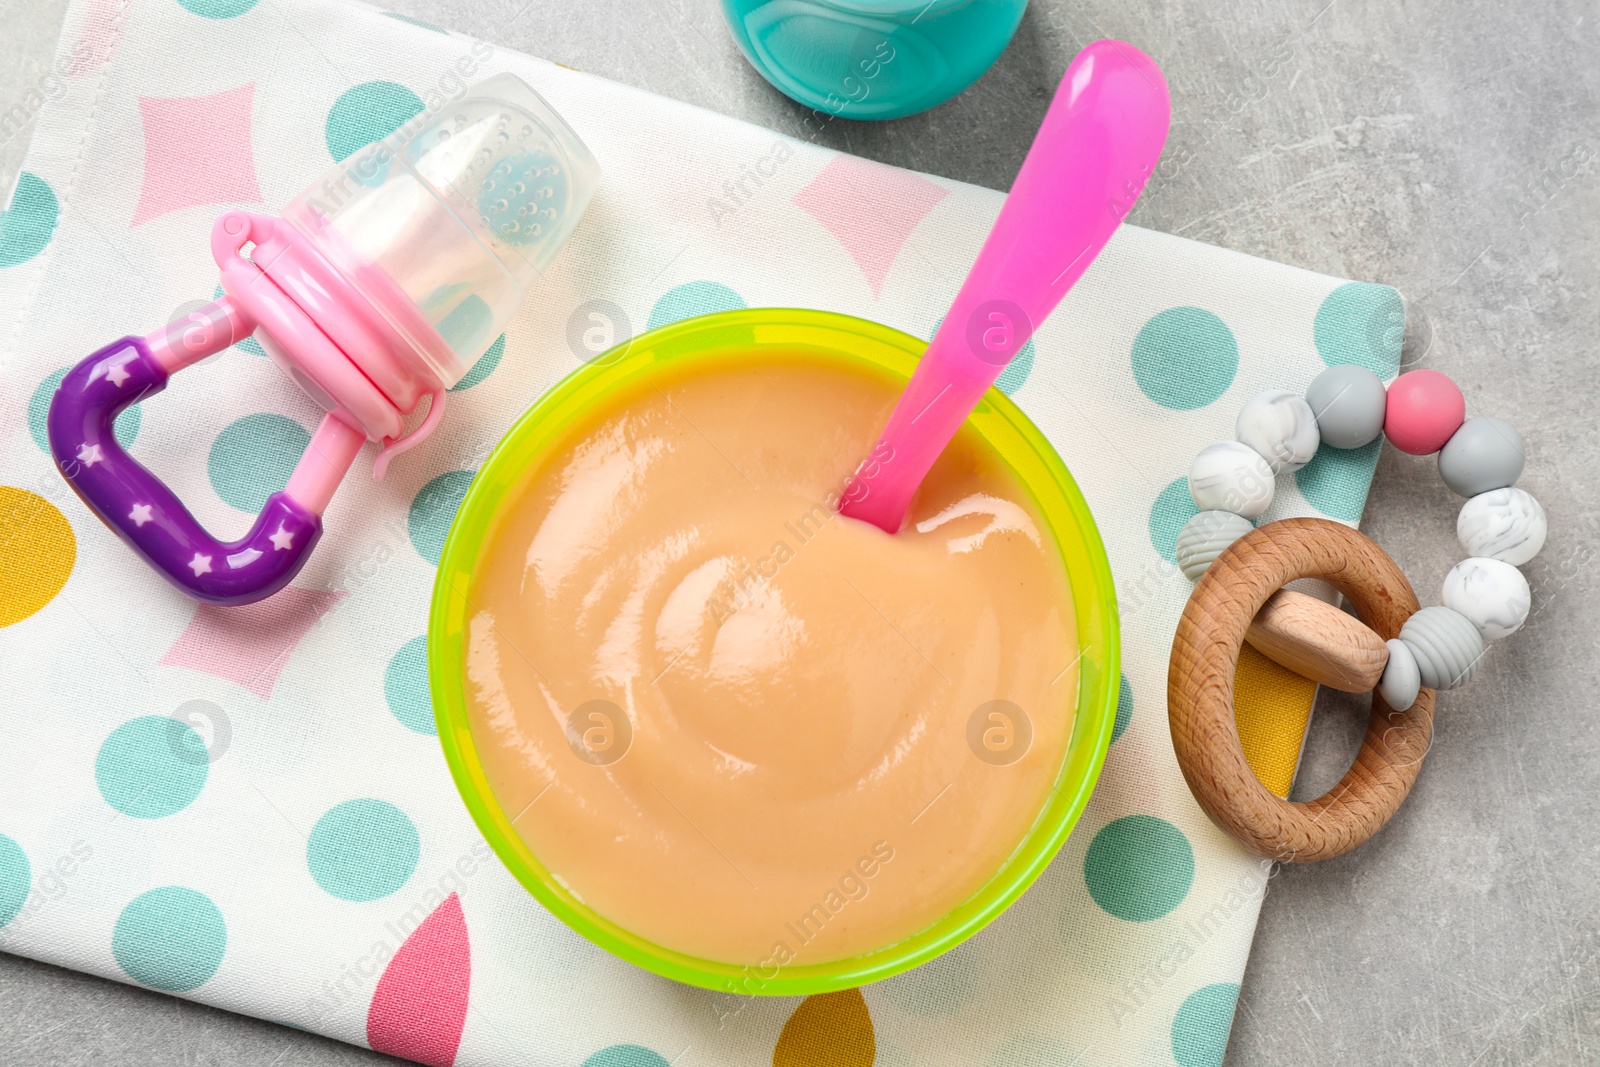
<point x="1401" y="679"/>
<point x="1349" y="402"/>
<point x="1203" y="538"/>
<point x="1448" y="647"/>
<point x="1485" y="453"/>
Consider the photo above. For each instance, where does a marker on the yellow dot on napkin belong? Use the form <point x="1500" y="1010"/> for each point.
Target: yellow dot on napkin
<point x="1272" y="707"/>
<point x="37" y="551"/>
<point x="828" y="1030"/>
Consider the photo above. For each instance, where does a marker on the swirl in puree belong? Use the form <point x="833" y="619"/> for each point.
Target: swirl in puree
<point x="738" y="724"/>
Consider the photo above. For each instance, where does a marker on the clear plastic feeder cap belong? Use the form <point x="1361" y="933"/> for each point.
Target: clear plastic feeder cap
<point x="447" y="224"/>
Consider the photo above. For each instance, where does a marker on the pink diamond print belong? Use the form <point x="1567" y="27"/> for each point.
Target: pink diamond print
<point x="870" y="208"/>
<point x="420" y="1006"/>
<point x="98" y="37"/>
<point x="197" y="151"/>
<point x="249" y="645"/>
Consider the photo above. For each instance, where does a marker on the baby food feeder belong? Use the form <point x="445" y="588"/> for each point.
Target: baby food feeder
<point x="1089" y="162"/>
<point x="378" y="286"/>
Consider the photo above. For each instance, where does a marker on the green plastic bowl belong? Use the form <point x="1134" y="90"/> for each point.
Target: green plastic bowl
<point x="742" y="336"/>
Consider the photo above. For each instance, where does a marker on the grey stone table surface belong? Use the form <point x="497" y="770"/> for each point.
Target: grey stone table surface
<point x="1448" y="147"/>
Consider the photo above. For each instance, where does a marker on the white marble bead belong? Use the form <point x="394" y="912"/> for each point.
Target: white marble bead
<point x="1230" y="476"/>
<point x="1204" y="537"/>
<point x="1448" y="647"/>
<point x="1401" y="679"/>
<point x="1493" y="594"/>
<point x="1503" y="524"/>
<point x="1281" y="426"/>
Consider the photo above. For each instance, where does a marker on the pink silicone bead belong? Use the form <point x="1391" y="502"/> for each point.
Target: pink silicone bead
<point x="1424" y="409"/>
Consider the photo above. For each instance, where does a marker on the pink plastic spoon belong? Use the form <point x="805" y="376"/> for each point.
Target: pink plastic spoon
<point x="1088" y="164"/>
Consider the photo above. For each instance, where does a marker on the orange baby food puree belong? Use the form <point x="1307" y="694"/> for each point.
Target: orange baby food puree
<point x="745" y="727"/>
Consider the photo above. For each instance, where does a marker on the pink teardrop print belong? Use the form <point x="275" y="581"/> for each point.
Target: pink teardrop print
<point x="420" y="1006"/>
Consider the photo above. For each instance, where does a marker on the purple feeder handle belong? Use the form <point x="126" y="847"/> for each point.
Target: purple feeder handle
<point x="140" y="508"/>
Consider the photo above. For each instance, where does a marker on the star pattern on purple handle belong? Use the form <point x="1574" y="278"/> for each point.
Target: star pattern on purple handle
<point x="140" y="508"/>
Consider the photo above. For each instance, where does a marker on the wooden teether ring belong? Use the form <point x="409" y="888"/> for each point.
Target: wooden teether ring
<point x="1200" y="692"/>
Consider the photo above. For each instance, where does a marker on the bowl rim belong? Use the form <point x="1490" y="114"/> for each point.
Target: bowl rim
<point x="852" y="339"/>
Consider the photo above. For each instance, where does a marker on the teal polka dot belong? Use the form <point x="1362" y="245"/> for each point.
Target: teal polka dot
<point x="1184" y="358"/>
<point x="1124" y="709"/>
<point x="16" y="878"/>
<point x="218" y="9"/>
<point x="1362" y="323"/>
<point x="126" y="429"/>
<point x="484" y="367"/>
<point x="368" y="112"/>
<point x="26" y="226"/>
<point x="171" y="938"/>
<point x="1172" y="508"/>
<point x="1139" y="868"/>
<point x="1200" y="1029"/>
<point x="253" y="457"/>
<point x="1336" y="480"/>
<point x="1017" y="370"/>
<point x="432" y="511"/>
<point x="147" y="767"/>
<point x="626" y="1056"/>
<point x="691" y="299"/>
<point x="405" y="687"/>
<point x="415" y="22"/>
<point x="249" y="344"/>
<point x="1016" y="373"/>
<point x="468" y="323"/>
<point x="363" y="850"/>
<point x="939" y="986"/>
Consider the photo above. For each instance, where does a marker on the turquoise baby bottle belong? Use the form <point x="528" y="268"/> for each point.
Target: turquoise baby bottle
<point x="872" y="59"/>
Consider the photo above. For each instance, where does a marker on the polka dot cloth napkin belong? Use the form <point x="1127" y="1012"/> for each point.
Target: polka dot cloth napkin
<point x="248" y="807"/>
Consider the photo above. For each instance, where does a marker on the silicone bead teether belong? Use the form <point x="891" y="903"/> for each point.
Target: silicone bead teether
<point x="1403" y="659"/>
<point x="1494" y="595"/>
<point x="1447" y="645"/>
<point x="1486" y="453"/>
<point x="1349" y="403"/>
<point x="1279" y="425"/>
<point x="1230" y="476"/>
<point x="1424" y="408"/>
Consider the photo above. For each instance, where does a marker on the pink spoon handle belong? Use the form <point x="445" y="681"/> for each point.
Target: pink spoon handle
<point x="1097" y="147"/>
